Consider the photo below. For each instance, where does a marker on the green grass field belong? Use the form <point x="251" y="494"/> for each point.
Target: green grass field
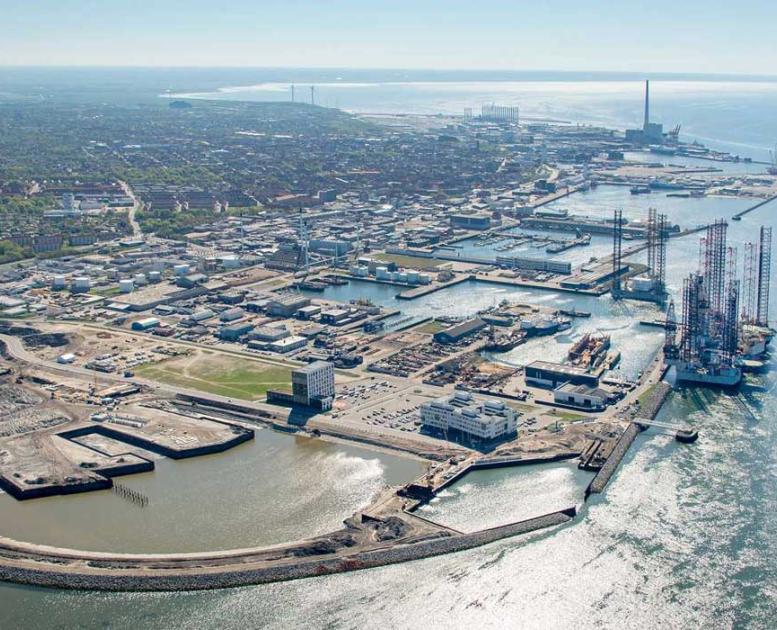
<point x="225" y="376"/>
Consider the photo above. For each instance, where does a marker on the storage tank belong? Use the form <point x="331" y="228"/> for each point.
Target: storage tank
<point x="59" y="282"/>
<point x="181" y="270"/>
<point x="154" y="276"/>
<point x="126" y="286"/>
<point x="140" y="278"/>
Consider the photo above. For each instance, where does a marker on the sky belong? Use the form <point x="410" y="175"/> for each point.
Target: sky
<point x="704" y="36"/>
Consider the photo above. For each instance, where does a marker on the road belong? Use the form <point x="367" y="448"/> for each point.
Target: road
<point x="137" y="231"/>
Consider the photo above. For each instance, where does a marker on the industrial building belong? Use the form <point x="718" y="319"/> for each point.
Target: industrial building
<point x="145" y="324"/>
<point x="551" y="375"/>
<point x="269" y="333"/>
<point x="471" y="221"/>
<point x="235" y="331"/>
<point x="561" y="267"/>
<point x="581" y="397"/>
<point x="462" y="414"/>
<point x="286" y="305"/>
<point x="287" y="344"/>
<point x="231" y="314"/>
<point x="459" y="331"/>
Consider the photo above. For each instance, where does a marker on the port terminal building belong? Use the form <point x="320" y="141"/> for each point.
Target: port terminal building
<point x="461" y="414"/>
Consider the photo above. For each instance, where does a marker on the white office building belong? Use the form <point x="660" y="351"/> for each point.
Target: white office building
<point x="314" y="385"/>
<point x="476" y="418"/>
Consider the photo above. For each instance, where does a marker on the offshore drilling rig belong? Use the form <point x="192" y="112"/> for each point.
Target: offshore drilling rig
<point x="714" y="341"/>
<point x="650" y="286"/>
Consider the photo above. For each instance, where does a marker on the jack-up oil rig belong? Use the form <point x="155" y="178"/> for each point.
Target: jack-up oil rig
<point x="714" y="341"/>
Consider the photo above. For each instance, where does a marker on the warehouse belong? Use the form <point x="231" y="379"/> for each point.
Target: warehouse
<point x="551" y="375"/>
<point x="269" y="333"/>
<point x="581" y="397"/>
<point x="286" y="305"/>
<point x="145" y="324"/>
<point x="234" y="332"/>
<point x="459" y="331"/>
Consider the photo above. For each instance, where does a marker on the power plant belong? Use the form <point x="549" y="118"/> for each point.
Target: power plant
<point x="714" y="342"/>
<point x="651" y="132"/>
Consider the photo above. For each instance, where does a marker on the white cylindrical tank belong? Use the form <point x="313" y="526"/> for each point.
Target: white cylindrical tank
<point x="126" y="286"/>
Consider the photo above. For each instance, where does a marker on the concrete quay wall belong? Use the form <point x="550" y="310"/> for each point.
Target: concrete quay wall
<point x="241" y="435"/>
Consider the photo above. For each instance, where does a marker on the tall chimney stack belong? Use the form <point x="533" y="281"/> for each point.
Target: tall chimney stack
<point x="647" y="106"/>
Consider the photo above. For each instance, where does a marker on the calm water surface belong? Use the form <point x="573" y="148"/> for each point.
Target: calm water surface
<point x="274" y="489"/>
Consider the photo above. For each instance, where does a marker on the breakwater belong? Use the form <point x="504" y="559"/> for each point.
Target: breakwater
<point x="739" y="215"/>
<point x="45" y="566"/>
<point x="649" y="409"/>
<point x="602" y="478"/>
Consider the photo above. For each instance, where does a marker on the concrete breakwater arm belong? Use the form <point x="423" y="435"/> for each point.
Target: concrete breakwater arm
<point x="650" y="410"/>
<point x="47" y="566"/>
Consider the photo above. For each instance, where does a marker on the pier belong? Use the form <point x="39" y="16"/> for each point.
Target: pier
<point x="760" y="204"/>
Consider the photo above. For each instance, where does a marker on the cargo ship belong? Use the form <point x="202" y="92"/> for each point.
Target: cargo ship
<point x="589" y="351"/>
<point x="504" y="343"/>
<point x="544" y="326"/>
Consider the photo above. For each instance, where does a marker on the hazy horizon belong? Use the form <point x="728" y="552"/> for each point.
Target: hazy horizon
<point x="657" y="36"/>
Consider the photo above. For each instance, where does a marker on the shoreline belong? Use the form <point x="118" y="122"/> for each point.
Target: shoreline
<point x="384" y="532"/>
